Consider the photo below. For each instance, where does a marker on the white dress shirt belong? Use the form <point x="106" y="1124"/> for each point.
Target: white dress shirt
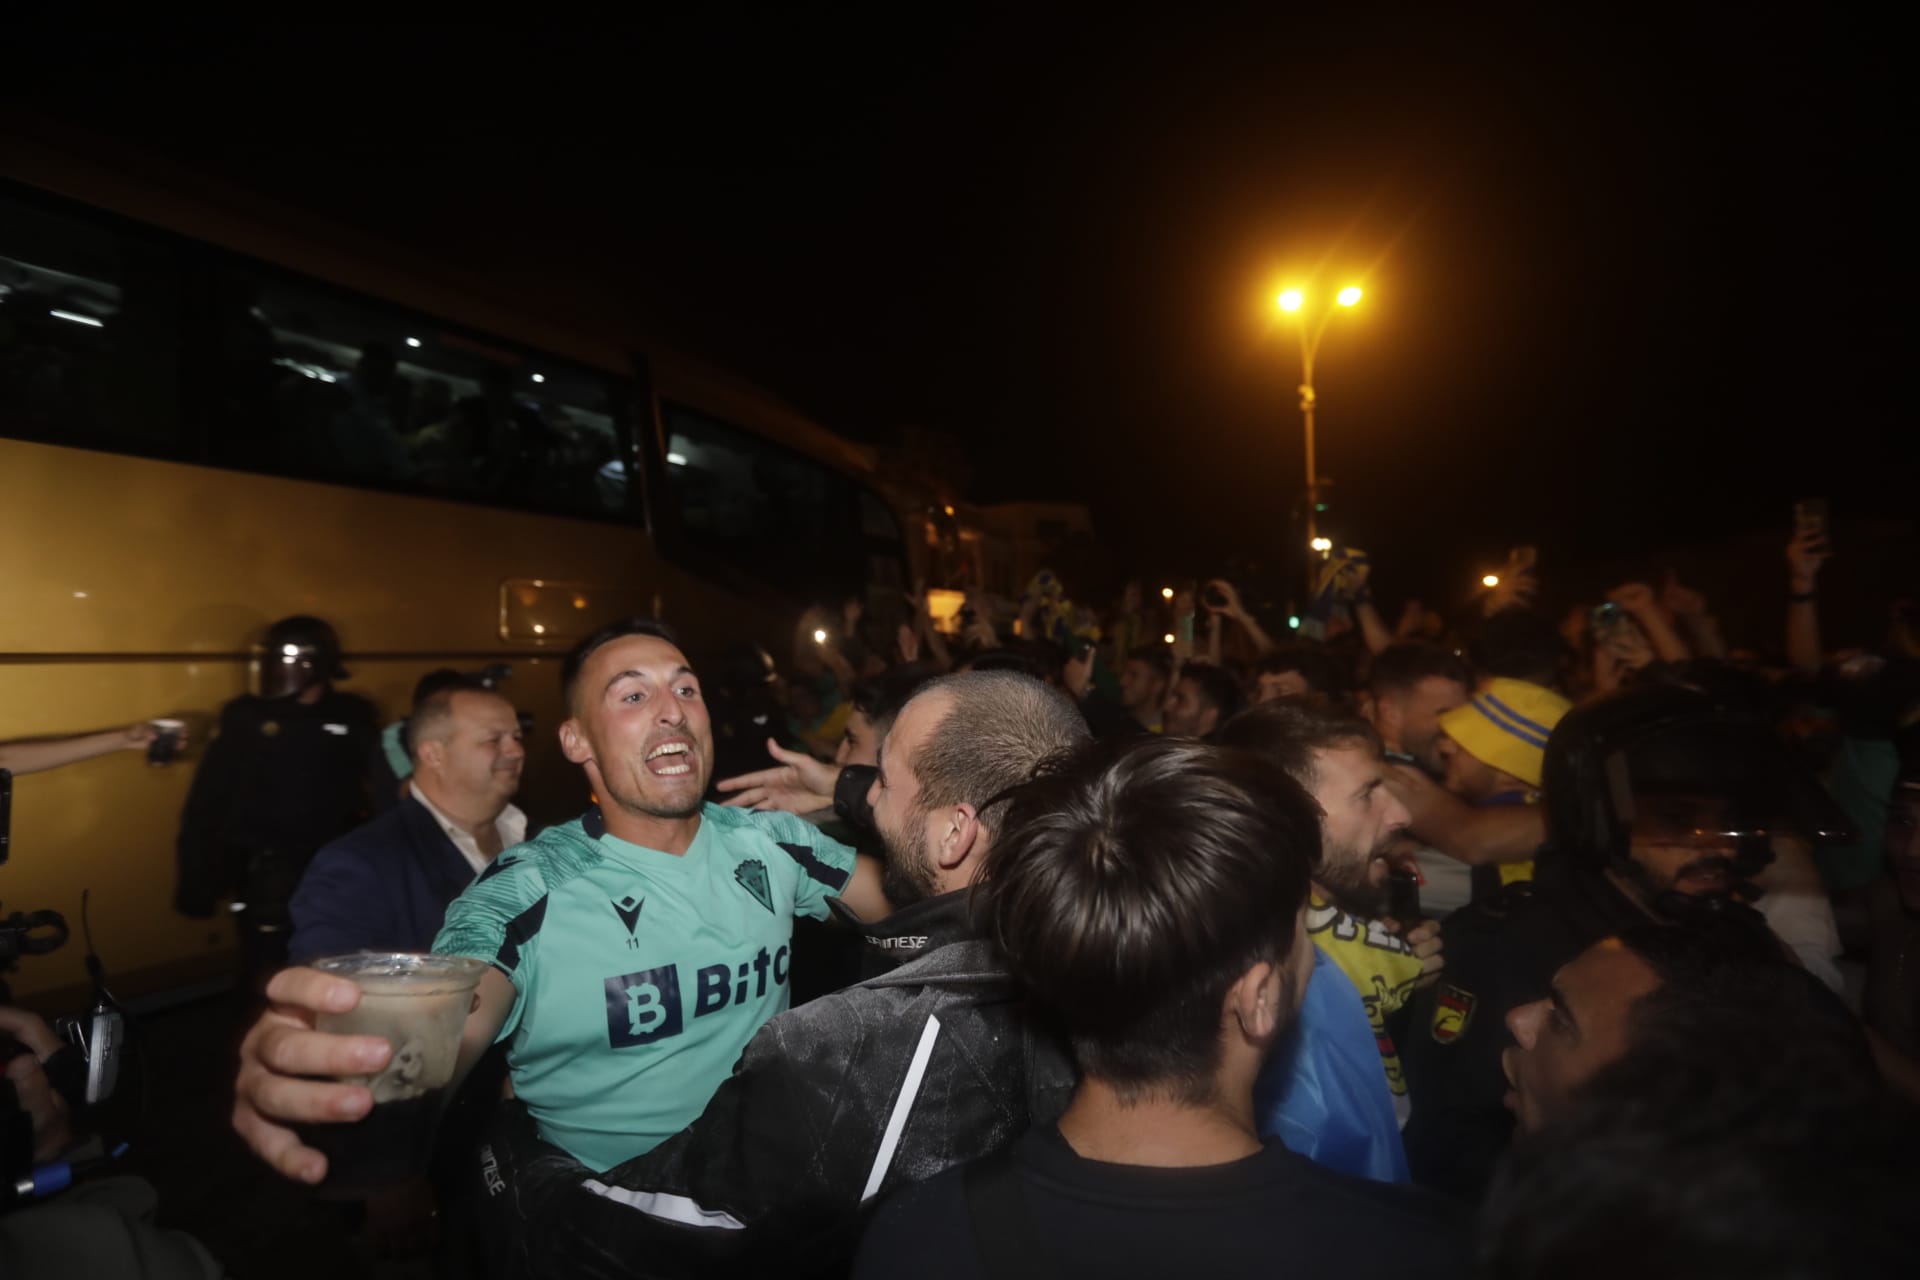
<point x="511" y="824"/>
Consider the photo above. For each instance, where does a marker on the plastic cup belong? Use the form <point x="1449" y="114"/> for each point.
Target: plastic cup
<point x="418" y="1004"/>
<point x="165" y="746"/>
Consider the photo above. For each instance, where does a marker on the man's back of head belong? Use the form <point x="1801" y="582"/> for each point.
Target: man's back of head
<point x="996" y="729"/>
<point x="1136" y="886"/>
<point x="955" y="751"/>
<point x="1150" y="895"/>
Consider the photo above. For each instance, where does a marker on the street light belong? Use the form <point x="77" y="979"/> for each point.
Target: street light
<point x="1292" y="300"/>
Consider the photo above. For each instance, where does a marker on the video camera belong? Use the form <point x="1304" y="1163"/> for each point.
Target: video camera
<point x="97" y="1035"/>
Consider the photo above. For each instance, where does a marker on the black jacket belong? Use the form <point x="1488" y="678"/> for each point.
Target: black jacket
<point x="384" y="886"/>
<point x="779" y="1168"/>
<point x="278" y="777"/>
<point x="1502" y="952"/>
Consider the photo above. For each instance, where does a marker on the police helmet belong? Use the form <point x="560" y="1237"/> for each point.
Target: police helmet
<point x="299" y="653"/>
<point x="1609" y="760"/>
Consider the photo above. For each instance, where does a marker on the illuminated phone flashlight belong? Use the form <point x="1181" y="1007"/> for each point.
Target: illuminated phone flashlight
<point x="819" y="637"/>
<point x="1491" y="580"/>
<point x="1169" y="637"/>
<point x="1166" y="593"/>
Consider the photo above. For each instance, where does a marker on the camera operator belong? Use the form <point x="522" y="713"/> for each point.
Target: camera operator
<point x="99" y="1228"/>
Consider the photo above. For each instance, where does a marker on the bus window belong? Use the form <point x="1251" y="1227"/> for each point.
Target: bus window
<point x="778" y="516"/>
<point x="90" y="333"/>
<point x="332" y="386"/>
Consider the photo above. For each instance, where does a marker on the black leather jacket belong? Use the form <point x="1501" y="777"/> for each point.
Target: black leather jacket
<point x="927" y="1065"/>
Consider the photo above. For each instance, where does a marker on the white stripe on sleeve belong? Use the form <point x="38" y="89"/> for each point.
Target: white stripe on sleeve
<point x="658" y="1204"/>
<point x="897" y="1122"/>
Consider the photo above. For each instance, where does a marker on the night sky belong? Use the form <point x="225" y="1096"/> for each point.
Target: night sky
<point x="1629" y="286"/>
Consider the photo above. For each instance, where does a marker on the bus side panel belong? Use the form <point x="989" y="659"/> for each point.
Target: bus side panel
<point x="136" y="589"/>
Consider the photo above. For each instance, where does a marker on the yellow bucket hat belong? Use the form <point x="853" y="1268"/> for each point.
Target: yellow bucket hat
<point x="1506" y="725"/>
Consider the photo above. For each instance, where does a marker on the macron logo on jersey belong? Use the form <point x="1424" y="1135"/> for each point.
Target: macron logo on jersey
<point x="628" y="909"/>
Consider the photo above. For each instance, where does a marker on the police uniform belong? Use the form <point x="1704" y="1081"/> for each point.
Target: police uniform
<point x="279" y="780"/>
<point x="1502" y="952"/>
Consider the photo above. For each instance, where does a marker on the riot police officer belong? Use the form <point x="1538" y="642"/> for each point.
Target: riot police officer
<point x="1660" y="804"/>
<point x="286" y="774"/>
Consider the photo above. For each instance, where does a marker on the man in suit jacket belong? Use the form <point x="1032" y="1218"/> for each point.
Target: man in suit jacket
<point x="385" y="885"/>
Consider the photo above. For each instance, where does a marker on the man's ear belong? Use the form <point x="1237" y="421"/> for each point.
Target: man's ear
<point x="573" y="743"/>
<point x="1253" y="1003"/>
<point x="961" y="837"/>
<point x="431" y="752"/>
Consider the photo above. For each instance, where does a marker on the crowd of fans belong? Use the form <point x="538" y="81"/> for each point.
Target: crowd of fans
<point x="1108" y="942"/>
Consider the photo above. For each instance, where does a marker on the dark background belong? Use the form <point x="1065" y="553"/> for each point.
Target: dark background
<point x="1630" y="286"/>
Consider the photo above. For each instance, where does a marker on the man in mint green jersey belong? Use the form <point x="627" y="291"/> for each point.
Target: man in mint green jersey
<point x="634" y="951"/>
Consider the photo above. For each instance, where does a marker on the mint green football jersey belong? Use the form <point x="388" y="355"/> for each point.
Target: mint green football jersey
<point x="640" y="976"/>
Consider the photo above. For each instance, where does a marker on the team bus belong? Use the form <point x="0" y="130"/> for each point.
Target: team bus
<point x="214" y="414"/>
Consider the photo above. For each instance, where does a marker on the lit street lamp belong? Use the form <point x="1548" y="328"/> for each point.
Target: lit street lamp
<point x="1291" y="301"/>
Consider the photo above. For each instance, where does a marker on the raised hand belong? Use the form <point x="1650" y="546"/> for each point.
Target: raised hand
<point x="1681" y="601"/>
<point x="1232" y="608"/>
<point x="798" y="784"/>
<point x="285" y="1067"/>
<point x="1635" y="597"/>
<point x="1805" y="554"/>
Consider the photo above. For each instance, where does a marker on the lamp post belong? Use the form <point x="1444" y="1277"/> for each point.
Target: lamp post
<point x="1291" y="302"/>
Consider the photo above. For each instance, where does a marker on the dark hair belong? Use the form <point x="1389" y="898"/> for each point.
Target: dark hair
<point x="1798" y="1186"/>
<point x="879" y="698"/>
<point x="1728" y="1002"/>
<point x="1216" y="686"/>
<point x="1135" y="885"/>
<point x="1400" y="667"/>
<point x="1744" y="1135"/>
<point x="1157" y="656"/>
<point x="1289" y="731"/>
<point x="998" y="728"/>
<point x="1521" y="645"/>
<point x="1314" y="666"/>
<point x="436" y="680"/>
<point x="578" y="655"/>
<point x="434" y="706"/>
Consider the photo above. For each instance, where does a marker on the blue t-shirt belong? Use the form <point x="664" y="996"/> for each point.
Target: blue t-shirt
<point x="1322" y="1092"/>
